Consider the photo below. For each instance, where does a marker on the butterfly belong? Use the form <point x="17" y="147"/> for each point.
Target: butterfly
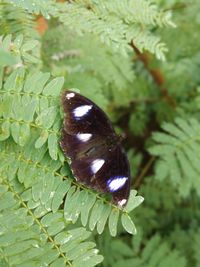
<point x="88" y="139"/>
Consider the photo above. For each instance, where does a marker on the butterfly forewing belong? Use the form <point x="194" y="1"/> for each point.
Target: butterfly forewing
<point x="83" y="116"/>
<point x="89" y="140"/>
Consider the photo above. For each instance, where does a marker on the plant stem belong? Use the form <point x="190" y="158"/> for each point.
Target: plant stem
<point x="138" y="180"/>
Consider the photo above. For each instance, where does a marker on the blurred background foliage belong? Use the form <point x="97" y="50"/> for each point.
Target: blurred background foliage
<point x="142" y="67"/>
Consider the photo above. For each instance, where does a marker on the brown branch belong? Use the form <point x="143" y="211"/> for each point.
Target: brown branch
<point x="156" y="75"/>
<point x="178" y="6"/>
<point x="145" y="170"/>
<point x="144" y="100"/>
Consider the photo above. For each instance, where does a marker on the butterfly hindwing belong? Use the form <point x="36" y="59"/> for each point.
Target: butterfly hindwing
<point x="114" y="175"/>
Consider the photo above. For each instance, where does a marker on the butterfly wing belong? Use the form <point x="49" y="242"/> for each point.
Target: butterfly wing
<point x="84" y="116"/>
<point x="85" y="125"/>
<point x="85" y="135"/>
<point x="106" y="172"/>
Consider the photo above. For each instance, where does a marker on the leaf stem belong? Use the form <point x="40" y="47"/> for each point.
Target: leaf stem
<point x="144" y="171"/>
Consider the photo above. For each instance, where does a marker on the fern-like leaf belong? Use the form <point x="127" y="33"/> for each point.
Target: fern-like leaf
<point x="49" y="188"/>
<point x="16" y="20"/>
<point x="30" y="237"/>
<point x="44" y="7"/>
<point x="178" y="151"/>
<point x="29" y="102"/>
<point x="155" y="252"/>
<point x="23" y="52"/>
<point x="106" y="19"/>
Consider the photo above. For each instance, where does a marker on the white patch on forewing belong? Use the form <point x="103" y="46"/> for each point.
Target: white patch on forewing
<point x="81" y="111"/>
<point x="96" y="165"/>
<point x="84" y="137"/>
<point x="122" y="202"/>
<point x="70" y="95"/>
<point x="116" y="183"/>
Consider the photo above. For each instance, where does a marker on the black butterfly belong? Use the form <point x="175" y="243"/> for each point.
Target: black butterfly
<point x="89" y="140"/>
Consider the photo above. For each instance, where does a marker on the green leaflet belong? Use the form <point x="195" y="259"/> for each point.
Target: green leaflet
<point x="24" y="134"/>
<point x="128" y="224"/>
<point x="133" y="201"/>
<point x="86" y="207"/>
<point x="112" y="223"/>
<point x="51" y="218"/>
<point x="54" y="87"/>
<point x="46" y="117"/>
<point x="70" y="208"/>
<point x="6" y="58"/>
<point x="53" y="145"/>
<point x="88" y="259"/>
<point x="42" y="139"/>
<point x="103" y="218"/>
<point x="35" y="82"/>
<point x="95" y="214"/>
<point x="1" y="76"/>
<point x="59" y="194"/>
<point x="5" y="130"/>
<point x="59" y="262"/>
<point x="29" y="107"/>
<point x="29" y="45"/>
<point x="15" y="80"/>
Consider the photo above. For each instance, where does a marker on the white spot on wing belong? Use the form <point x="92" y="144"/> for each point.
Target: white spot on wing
<point x="70" y="95"/>
<point x="81" y="111"/>
<point x="122" y="202"/>
<point x="84" y="136"/>
<point x="116" y="183"/>
<point x="96" y="165"/>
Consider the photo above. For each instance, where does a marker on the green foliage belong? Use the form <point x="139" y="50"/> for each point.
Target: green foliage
<point x="30" y="102"/>
<point x="30" y="114"/>
<point x="35" y="6"/>
<point x="14" y="20"/>
<point x="117" y="23"/>
<point x="155" y="252"/>
<point x="196" y="248"/>
<point x="48" y="185"/>
<point x="30" y="237"/>
<point x="110" y="51"/>
<point x="74" y="56"/>
<point x="138" y="120"/>
<point x="17" y="52"/>
<point x="183" y="61"/>
<point x="178" y="150"/>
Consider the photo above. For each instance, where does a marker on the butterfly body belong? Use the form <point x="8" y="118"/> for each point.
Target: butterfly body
<point x="89" y="140"/>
